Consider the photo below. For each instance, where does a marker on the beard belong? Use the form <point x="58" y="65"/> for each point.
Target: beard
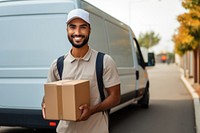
<point x="85" y="41"/>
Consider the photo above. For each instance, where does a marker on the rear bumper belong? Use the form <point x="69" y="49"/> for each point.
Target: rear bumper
<point x="24" y="118"/>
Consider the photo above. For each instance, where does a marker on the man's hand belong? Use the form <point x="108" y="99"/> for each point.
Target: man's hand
<point x="43" y="109"/>
<point x="86" y="112"/>
<point x="112" y="100"/>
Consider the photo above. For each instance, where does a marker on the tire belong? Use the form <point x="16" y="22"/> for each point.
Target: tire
<point x="144" y="102"/>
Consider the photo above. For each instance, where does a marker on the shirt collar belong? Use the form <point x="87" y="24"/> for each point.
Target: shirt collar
<point x="85" y="58"/>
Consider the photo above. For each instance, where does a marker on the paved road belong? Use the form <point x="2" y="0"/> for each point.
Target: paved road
<point x="171" y="108"/>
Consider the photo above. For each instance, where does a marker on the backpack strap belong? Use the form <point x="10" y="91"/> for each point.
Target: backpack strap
<point x="99" y="74"/>
<point x="60" y="63"/>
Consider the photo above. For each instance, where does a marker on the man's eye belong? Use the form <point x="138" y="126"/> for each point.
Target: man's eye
<point x="72" y="26"/>
<point x="83" y="27"/>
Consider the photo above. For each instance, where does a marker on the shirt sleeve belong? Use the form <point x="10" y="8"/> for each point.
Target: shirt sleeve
<point x="53" y="73"/>
<point x="110" y="73"/>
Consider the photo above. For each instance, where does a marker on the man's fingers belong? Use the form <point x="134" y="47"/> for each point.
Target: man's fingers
<point x="43" y="111"/>
<point x="84" y="106"/>
<point x="86" y="112"/>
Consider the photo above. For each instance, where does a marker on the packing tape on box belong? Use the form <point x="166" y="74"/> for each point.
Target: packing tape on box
<point x="60" y="107"/>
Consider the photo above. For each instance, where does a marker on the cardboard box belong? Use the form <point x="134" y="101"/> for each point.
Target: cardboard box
<point x="63" y="98"/>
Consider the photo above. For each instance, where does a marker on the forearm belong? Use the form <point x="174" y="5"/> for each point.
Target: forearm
<point x="112" y="100"/>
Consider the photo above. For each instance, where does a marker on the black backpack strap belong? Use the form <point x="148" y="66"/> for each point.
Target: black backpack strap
<point x="60" y="63"/>
<point x="99" y="74"/>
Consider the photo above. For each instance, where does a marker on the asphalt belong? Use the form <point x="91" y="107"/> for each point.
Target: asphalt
<point x="196" y="100"/>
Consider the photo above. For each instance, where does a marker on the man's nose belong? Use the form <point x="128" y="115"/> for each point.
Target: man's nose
<point x="77" y="31"/>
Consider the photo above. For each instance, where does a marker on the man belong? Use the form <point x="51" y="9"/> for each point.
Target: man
<point x="79" y="63"/>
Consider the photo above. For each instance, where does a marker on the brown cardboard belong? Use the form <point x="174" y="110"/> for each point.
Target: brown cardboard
<point x="63" y="98"/>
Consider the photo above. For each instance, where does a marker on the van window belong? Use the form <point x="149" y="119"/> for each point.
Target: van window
<point x="136" y="50"/>
<point x="120" y="45"/>
<point x="138" y="53"/>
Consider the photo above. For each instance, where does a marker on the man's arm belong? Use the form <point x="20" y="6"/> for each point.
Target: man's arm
<point x="112" y="100"/>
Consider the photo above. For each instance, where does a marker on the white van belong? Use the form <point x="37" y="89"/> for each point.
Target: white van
<point x="33" y="34"/>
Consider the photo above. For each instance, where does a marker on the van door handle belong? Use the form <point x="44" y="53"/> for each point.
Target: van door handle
<point x="137" y="75"/>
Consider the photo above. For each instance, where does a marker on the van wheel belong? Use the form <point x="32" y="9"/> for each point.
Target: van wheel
<point x="144" y="102"/>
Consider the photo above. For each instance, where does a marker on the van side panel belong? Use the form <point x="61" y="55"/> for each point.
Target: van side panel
<point x="120" y="45"/>
<point x="29" y="43"/>
<point x="33" y="34"/>
<point x="121" y="51"/>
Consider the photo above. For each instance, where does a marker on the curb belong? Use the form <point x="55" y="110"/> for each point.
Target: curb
<point x="196" y="102"/>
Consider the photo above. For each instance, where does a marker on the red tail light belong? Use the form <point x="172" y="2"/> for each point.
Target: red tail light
<point x="52" y="124"/>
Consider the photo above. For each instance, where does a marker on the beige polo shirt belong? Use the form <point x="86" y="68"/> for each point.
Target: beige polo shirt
<point x="84" y="68"/>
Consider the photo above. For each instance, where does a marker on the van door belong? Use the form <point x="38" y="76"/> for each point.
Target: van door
<point x="142" y="73"/>
<point x="33" y="34"/>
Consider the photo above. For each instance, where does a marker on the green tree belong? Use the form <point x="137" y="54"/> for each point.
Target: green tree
<point x="148" y="39"/>
<point x="188" y="34"/>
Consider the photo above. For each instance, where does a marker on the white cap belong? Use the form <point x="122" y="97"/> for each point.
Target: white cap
<point x="78" y="13"/>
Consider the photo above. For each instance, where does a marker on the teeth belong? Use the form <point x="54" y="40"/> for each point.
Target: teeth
<point x="77" y="38"/>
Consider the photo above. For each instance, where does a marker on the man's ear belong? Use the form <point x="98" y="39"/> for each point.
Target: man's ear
<point x="89" y="30"/>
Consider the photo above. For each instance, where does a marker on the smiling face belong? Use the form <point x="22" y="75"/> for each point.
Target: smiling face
<point x="78" y="32"/>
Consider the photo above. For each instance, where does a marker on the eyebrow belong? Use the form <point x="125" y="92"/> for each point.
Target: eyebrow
<point x="80" y="25"/>
<point x="84" y="25"/>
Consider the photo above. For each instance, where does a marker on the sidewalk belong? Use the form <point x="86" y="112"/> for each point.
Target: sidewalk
<point x="188" y="83"/>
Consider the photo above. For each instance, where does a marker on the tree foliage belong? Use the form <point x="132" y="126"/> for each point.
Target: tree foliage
<point x="148" y="39"/>
<point x="188" y="34"/>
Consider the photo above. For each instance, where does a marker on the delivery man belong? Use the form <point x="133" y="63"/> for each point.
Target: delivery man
<point x="79" y="63"/>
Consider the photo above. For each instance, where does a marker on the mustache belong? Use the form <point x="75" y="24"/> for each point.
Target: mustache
<point x="77" y="36"/>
